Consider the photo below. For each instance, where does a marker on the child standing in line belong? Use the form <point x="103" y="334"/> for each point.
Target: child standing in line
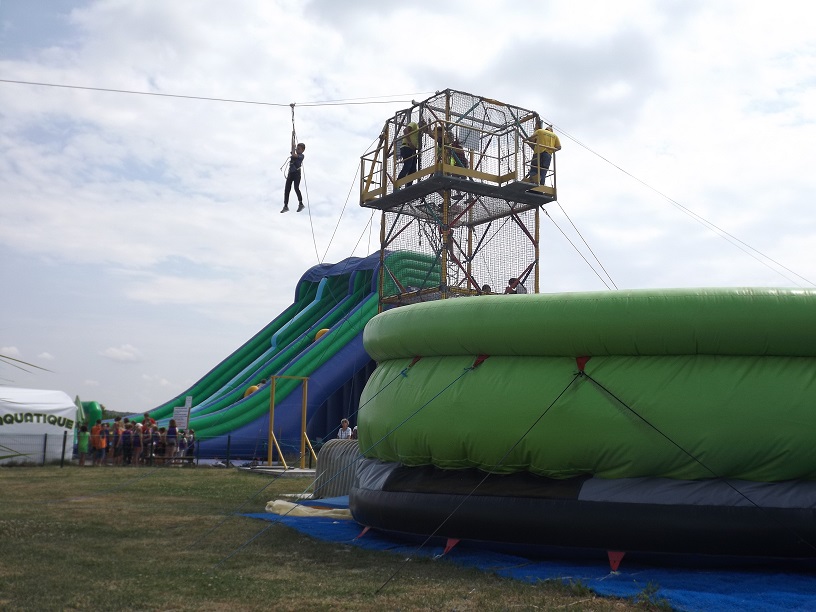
<point x="83" y="444"/>
<point x="170" y="440"/>
<point x="127" y="444"/>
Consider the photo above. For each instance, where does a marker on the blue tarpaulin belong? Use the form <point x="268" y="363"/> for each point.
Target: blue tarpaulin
<point x="710" y="584"/>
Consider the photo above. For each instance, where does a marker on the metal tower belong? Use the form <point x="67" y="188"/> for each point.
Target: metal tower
<point x="463" y="208"/>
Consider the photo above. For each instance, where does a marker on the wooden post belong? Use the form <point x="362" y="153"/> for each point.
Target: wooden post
<point x="272" y="440"/>
<point x="270" y="447"/>
<point x="303" y="424"/>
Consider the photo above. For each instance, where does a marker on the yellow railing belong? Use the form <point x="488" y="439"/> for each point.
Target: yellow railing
<point x="500" y="158"/>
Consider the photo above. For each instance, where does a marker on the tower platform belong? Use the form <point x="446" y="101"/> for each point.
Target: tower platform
<point x="493" y="200"/>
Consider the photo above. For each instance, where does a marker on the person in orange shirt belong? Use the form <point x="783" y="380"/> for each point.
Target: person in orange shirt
<point x="96" y="440"/>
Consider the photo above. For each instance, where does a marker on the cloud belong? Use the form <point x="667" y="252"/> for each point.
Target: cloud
<point x="88" y="382"/>
<point x="160" y="215"/>
<point x="10" y="351"/>
<point x="46" y="356"/>
<point x="158" y="381"/>
<point x="126" y="353"/>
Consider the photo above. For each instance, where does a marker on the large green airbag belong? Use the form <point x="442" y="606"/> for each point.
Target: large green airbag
<point x="686" y="384"/>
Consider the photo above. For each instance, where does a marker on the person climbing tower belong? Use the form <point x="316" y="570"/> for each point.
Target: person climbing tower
<point x="293" y="177"/>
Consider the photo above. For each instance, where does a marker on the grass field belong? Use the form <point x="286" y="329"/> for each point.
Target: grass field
<point x="166" y="539"/>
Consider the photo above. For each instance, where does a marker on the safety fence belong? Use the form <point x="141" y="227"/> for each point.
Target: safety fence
<point x="61" y="449"/>
<point x="36" y="449"/>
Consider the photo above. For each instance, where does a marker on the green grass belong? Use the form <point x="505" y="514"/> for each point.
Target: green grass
<point x="161" y="539"/>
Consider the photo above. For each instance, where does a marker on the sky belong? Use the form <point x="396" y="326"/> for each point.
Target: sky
<point x="141" y="241"/>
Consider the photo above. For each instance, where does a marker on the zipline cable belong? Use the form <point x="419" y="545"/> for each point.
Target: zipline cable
<point x="345" y="102"/>
<point x="691" y="456"/>
<point x="357" y="101"/>
<point x="343" y="210"/>
<point x="577" y="250"/>
<point x="727" y="236"/>
<point x="577" y="231"/>
<point x="278" y="521"/>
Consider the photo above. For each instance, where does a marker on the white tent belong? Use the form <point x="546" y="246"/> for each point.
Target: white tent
<point x="35" y="424"/>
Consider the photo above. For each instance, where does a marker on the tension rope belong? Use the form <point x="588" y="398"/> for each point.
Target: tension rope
<point x="282" y="516"/>
<point x="472" y="492"/>
<point x="640" y="418"/>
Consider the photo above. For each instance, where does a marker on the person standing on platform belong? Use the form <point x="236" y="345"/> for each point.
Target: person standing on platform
<point x="544" y="143"/>
<point x="408" y="150"/>
<point x="457" y="152"/>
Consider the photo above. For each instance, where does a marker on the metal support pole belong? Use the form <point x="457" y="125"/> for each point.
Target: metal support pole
<point x="64" y="445"/>
<point x="445" y="231"/>
<point x="537" y="248"/>
<point x="381" y="274"/>
<point x="270" y="449"/>
<point x="303" y="424"/>
<point x="272" y="440"/>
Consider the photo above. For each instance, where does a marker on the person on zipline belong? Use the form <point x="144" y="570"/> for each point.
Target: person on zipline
<point x="293" y="177"/>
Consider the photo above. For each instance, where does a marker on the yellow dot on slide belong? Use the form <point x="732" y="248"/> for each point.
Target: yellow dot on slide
<point x="250" y="390"/>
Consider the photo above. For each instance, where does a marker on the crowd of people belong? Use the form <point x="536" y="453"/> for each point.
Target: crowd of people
<point x="130" y="442"/>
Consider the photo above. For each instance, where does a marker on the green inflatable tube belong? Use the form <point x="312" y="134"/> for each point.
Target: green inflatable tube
<point x="686" y="384"/>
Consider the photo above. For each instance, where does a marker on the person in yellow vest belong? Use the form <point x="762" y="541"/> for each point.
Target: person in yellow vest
<point x="544" y="143"/>
<point x="408" y="150"/>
